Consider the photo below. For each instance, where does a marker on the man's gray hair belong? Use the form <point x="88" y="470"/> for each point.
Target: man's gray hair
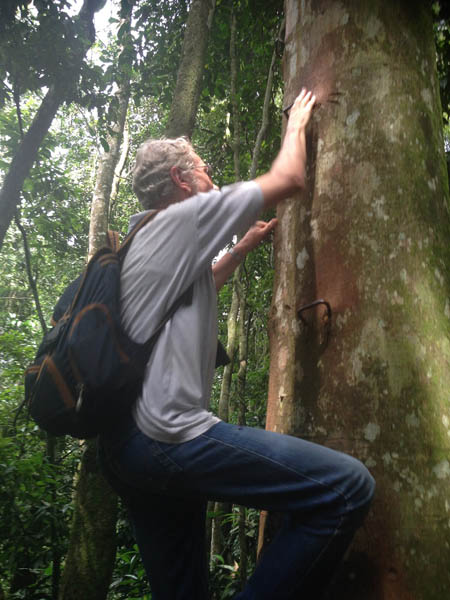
<point x="152" y="182"/>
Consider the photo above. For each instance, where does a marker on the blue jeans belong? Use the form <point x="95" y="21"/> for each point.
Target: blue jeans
<point x="323" y="494"/>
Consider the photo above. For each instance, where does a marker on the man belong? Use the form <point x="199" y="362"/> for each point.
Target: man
<point x="174" y="455"/>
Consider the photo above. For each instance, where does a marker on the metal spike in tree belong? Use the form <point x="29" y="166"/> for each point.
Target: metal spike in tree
<point x="184" y="106"/>
<point x="371" y="235"/>
<point x="58" y="92"/>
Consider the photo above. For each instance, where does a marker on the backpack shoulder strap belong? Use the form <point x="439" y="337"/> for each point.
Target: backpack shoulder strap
<point x="113" y="239"/>
<point x="184" y="299"/>
<point x="125" y="246"/>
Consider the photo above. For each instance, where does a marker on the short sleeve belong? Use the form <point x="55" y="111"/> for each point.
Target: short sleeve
<point x="221" y="215"/>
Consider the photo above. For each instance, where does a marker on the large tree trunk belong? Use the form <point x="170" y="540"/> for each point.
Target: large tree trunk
<point x="28" y="149"/>
<point x="371" y="236"/>
<point x="190" y="73"/>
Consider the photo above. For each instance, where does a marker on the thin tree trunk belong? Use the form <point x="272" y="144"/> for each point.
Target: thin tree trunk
<point x="190" y="74"/>
<point x="92" y="546"/>
<point x="31" y="280"/>
<point x="265" y="114"/>
<point x="265" y="122"/>
<point x="105" y="175"/>
<point x="371" y="236"/>
<point x="56" y="554"/>
<point x="244" y="324"/>
<point x="234" y="63"/>
<point x="28" y="149"/>
<point x="51" y="441"/>
<point x="90" y="558"/>
<point x="232" y="324"/>
<point x="224" y="508"/>
<point x="220" y="529"/>
<point x="119" y="169"/>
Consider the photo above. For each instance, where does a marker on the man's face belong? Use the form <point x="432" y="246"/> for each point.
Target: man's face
<point x="202" y="182"/>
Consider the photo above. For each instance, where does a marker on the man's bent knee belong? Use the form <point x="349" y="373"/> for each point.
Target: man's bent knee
<point x="361" y="488"/>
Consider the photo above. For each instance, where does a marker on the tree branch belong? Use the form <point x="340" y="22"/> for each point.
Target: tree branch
<point x="28" y="149"/>
<point x="31" y="279"/>
<point x="265" y="116"/>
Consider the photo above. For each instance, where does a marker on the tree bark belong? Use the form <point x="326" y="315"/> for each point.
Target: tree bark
<point x="90" y="558"/>
<point x="28" y="149"/>
<point x="370" y="235"/>
<point x="98" y="226"/>
<point x="265" y="121"/>
<point x="119" y="170"/>
<point x="232" y="324"/>
<point x="190" y="73"/>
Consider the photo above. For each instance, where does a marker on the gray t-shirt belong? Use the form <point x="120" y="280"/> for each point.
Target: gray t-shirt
<point x="168" y="255"/>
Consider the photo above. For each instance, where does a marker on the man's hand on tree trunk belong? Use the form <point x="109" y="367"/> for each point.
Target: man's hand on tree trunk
<point x="288" y="171"/>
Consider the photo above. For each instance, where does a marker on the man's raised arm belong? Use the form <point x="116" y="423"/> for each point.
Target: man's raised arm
<point x="286" y="175"/>
<point x="288" y="170"/>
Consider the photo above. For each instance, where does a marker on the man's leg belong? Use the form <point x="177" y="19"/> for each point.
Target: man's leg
<point x="324" y="494"/>
<point x="170" y="533"/>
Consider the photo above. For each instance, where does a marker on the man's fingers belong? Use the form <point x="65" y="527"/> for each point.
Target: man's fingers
<point x="301" y="95"/>
<point x="311" y="102"/>
<point x="300" y="98"/>
<point x="304" y="98"/>
<point x="269" y="225"/>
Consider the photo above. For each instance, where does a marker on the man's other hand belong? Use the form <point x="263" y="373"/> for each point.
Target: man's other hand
<point x="256" y="234"/>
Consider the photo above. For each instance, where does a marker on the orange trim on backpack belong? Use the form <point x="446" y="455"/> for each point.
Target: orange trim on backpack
<point x="125" y="358"/>
<point x="33" y="369"/>
<point x="107" y="259"/>
<point x="59" y="380"/>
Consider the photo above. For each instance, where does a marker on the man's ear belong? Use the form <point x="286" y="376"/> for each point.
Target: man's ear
<point x="180" y="180"/>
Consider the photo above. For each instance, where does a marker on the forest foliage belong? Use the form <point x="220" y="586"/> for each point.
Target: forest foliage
<point x="46" y="245"/>
<point x="52" y="222"/>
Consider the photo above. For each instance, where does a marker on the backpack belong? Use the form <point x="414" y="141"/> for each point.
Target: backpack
<point x="87" y="372"/>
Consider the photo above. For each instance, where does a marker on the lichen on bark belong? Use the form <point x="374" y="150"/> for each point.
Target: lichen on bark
<point x="370" y="235"/>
